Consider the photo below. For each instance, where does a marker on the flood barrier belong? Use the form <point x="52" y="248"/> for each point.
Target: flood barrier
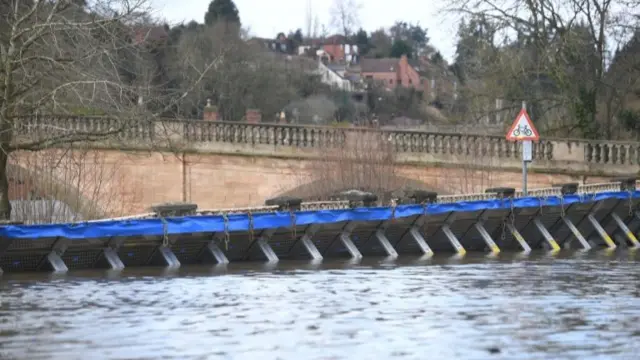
<point x="602" y="216"/>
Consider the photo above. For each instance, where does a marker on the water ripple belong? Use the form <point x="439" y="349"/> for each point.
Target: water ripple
<point x="563" y="309"/>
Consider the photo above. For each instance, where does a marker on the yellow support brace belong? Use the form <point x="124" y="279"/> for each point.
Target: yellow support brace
<point x="603" y="234"/>
<point x="632" y="238"/>
<point x="453" y="240"/>
<point x="545" y="233"/>
<point x="487" y="238"/>
<point x="519" y="238"/>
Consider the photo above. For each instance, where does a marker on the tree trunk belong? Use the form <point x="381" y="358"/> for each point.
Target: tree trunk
<point x="5" y="205"/>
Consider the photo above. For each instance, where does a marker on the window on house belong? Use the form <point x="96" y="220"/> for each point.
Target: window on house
<point x="399" y="82"/>
<point x="410" y="81"/>
<point x="391" y="81"/>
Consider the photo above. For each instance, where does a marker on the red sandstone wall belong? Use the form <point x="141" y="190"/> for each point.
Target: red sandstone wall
<point x="138" y="180"/>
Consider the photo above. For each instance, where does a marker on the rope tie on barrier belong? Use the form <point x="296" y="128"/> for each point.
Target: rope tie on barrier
<point x="251" y="234"/>
<point x="562" y="213"/>
<point x="165" y="231"/>
<point x="630" y="202"/>
<point x="541" y="202"/>
<point x="393" y="210"/>
<point x="424" y="214"/>
<point x="294" y="232"/>
<point x="227" y="236"/>
<point x="512" y="215"/>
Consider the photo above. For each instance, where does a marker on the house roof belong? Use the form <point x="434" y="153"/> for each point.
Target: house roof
<point x="384" y="65"/>
<point x="420" y="67"/>
<point x="335" y="39"/>
<point x="337" y="67"/>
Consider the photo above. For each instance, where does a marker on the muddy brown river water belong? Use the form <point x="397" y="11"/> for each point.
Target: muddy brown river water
<point x="574" y="306"/>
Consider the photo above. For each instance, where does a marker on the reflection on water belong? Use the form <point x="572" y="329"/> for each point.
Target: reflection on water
<point x="575" y="307"/>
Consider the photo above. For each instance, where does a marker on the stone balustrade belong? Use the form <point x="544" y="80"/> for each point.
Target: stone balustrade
<point x="588" y="156"/>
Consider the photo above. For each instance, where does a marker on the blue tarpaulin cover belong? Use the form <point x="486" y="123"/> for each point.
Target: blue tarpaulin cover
<point x="261" y="221"/>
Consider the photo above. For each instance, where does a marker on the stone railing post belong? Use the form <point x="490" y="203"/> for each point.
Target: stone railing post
<point x="569" y="150"/>
<point x="253" y="116"/>
<point x="169" y="132"/>
<point x="210" y="112"/>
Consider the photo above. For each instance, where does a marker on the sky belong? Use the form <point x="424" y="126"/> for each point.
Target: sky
<point x="266" y="18"/>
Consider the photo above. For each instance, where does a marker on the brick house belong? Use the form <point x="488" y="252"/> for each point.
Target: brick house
<point x="335" y="48"/>
<point x="280" y="45"/>
<point x="436" y="82"/>
<point x="391" y="72"/>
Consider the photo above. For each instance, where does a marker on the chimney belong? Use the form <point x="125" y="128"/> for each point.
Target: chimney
<point x="210" y="112"/>
<point x="253" y="116"/>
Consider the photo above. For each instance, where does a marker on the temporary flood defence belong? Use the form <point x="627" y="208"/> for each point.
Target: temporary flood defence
<point x="566" y="216"/>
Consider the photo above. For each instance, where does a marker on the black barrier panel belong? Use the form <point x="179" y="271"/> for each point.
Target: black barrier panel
<point x="600" y="211"/>
<point x="633" y="221"/>
<point x="433" y="224"/>
<point x="495" y="224"/>
<point x="253" y="252"/>
<point x="398" y="234"/>
<point x="22" y="261"/>
<point x="359" y="235"/>
<point x="364" y="237"/>
<point x="188" y="247"/>
<point x="561" y="232"/>
<point x="430" y="230"/>
<point x="282" y="244"/>
<point x="136" y="255"/>
<point x="81" y="258"/>
<point x="235" y="248"/>
<point x="519" y="219"/>
<point x="491" y="221"/>
<point x="29" y="245"/>
<point x="297" y="251"/>
<point x="576" y="213"/>
<point x="284" y="239"/>
<point x="625" y="210"/>
<point x="467" y="215"/>
<point x="462" y="229"/>
<point x="327" y="239"/>
<point x="548" y="217"/>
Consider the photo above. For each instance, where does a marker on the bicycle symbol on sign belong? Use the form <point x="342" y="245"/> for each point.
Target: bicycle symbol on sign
<point x="522" y="129"/>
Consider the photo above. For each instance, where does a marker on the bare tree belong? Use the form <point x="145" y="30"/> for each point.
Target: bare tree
<point x="71" y="57"/>
<point x="67" y="185"/>
<point x="345" y="16"/>
<point x="559" y="60"/>
<point x="308" y="21"/>
<point x="366" y="161"/>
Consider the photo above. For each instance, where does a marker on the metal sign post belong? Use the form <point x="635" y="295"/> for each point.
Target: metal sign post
<point x="524" y="132"/>
<point x="526" y="157"/>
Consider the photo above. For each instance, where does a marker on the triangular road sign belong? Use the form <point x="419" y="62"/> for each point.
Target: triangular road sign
<point x="522" y="128"/>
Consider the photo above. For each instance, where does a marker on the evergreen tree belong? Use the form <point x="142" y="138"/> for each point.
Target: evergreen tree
<point x="224" y="10"/>
<point x="361" y="38"/>
<point x="399" y="48"/>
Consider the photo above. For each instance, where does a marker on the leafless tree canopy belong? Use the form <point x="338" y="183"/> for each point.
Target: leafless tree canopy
<point x="345" y="16"/>
<point x="72" y="57"/>
<point x="366" y="162"/>
<point x="564" y="57"/>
